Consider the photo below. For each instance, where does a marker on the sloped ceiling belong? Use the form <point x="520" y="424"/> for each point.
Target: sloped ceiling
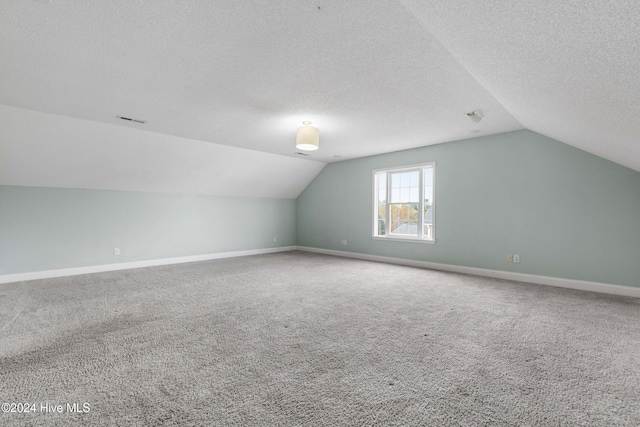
<point x="44" y="150"/>
<point x="375" y="77"/>
<point x="566" y="69"/>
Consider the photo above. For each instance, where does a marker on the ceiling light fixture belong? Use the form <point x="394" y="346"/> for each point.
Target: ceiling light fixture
<point x="307" y="137"/>
<point x="475" y="116"/>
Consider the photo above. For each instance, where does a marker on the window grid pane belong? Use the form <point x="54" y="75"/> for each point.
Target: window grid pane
<point x="404" y="219"/>
<point x="404" y="203"/>
<point x="381" y="204"/>
<point x="405" y="187"/>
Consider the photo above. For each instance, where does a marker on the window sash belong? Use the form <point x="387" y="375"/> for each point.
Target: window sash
<point x="422" y="231"/>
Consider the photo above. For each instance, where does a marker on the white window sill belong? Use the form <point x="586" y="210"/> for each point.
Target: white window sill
<point x="403" y="239"/>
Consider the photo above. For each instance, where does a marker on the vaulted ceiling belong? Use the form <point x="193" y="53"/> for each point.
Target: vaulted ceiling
<point x="374" y="77"/>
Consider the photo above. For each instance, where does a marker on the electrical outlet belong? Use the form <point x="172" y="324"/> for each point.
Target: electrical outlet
<point x="116" y="251"/>
<point x="275" y="239"/>
<point x="516" y="258"/>
<point x="343" y="242"/>
<point x="509" y="258"/>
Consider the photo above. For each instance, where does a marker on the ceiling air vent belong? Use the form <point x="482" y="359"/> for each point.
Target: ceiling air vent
<point x="132" y="120"/>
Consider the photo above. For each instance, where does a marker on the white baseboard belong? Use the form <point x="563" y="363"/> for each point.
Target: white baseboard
<point x="507" y="275"/>
<point x="582" y="285"/>
<point x="19" y="277"/>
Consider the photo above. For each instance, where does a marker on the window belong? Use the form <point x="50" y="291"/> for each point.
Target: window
<point x="403" y="206"/>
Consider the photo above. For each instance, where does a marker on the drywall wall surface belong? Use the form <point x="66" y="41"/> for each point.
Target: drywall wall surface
<point x="567" y="213"/>
<point x="47" y="150"/>
<point x="54" y="228"/>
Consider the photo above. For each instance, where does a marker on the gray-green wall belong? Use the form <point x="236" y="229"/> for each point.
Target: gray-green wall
<point x="52" y="228"/>
<point x="567" y="213"/>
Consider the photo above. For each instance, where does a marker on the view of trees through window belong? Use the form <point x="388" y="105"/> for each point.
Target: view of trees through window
<point x="399" y="208"/>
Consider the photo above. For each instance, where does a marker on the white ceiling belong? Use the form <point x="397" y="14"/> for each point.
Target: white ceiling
<point x="245" y="73"/>
<point x="44" y="150"/>
<point x="566" y="69"/>
<point x="375" y="76"/>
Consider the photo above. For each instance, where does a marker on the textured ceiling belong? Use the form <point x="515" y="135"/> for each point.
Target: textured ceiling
<point x="245" y="73"/>
<point x="567" y="69"/>
<point x="44" y="150"/>
<point x="375" y="76"/>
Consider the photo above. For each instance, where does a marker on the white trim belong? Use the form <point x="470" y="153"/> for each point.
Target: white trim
<point x="403" y="239"/>
<point x="433" y="201"/>
<point x="582" y="285"/>
<point x="497" y="274"/>
<point x="407" y="167"/>
<point x="374" y="202"/>
<point x="35" y="275"/>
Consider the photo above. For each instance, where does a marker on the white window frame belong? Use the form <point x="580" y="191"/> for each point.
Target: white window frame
<point x="417" y="239"/>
